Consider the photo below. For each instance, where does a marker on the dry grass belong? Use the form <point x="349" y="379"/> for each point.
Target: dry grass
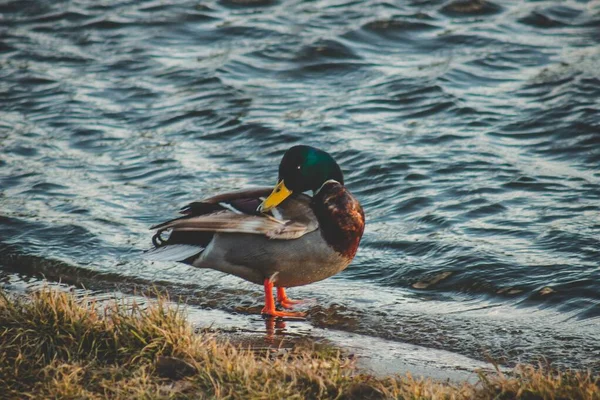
<point x="53" y="345"/>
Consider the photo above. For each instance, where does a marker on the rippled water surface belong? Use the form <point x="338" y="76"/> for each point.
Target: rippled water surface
<point x="470" y="131"/>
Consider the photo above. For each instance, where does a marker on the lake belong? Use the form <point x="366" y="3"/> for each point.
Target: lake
<point x="469" y="131"/>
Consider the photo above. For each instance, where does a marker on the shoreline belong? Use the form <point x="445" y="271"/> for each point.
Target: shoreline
<point x="465" y="332"/>
<point x="56" y="344"/>
<point x="376" y="356"/>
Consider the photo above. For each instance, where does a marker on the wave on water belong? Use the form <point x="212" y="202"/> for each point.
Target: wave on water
<point x="468" y="129"/>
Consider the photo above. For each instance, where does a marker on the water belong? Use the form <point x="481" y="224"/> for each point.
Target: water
<point x="469" y="131"/>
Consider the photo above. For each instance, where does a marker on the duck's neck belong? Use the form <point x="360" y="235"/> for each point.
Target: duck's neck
<point x="341" y="218"/>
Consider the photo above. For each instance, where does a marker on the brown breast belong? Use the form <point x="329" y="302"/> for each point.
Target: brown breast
<point x="341" y="218"/>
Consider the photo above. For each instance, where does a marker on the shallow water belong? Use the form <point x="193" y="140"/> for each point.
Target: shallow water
<point x="469" y="131"/>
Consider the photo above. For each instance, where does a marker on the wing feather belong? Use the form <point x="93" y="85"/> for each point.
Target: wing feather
<point x="230" y="222"/>
<point x="235" y="212"/>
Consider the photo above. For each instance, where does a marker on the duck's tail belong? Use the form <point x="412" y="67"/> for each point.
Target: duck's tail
<point x="173" y="252"/>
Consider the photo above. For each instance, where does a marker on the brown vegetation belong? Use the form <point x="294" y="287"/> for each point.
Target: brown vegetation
<point x="54" y="345"/>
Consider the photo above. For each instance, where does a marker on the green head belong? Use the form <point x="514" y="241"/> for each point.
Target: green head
<point x="307" y="168"/>
<point x="302" y="168"/>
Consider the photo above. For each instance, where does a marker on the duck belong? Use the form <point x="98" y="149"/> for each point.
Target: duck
<point x="279" y="237"/>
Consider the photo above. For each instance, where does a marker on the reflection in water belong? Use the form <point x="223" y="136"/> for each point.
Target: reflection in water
<point x="273" y="327"/>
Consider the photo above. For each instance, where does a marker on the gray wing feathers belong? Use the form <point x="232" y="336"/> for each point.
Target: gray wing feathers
<point x="229" y="222"/>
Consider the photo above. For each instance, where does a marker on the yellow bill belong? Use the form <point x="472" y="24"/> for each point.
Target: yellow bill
<point x="279" y="194"/>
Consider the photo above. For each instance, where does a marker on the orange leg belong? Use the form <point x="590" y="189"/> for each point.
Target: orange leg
<point x="285" y="301"/>
<point x="269" y="308"/>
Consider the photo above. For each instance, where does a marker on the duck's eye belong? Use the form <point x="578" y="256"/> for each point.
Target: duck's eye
<point x="299" y="167"/>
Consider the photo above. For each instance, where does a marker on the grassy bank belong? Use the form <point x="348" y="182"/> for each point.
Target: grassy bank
<point x="53" y="345"/>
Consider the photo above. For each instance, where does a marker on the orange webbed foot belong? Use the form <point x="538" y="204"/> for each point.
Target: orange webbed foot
<point x="285" y="301"/>
<point x="283" y="314"/>
<point x="270" y="309"/>
<point x="288" y="303"/>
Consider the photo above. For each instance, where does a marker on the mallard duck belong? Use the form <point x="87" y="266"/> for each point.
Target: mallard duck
<point x="277" y="237"/>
